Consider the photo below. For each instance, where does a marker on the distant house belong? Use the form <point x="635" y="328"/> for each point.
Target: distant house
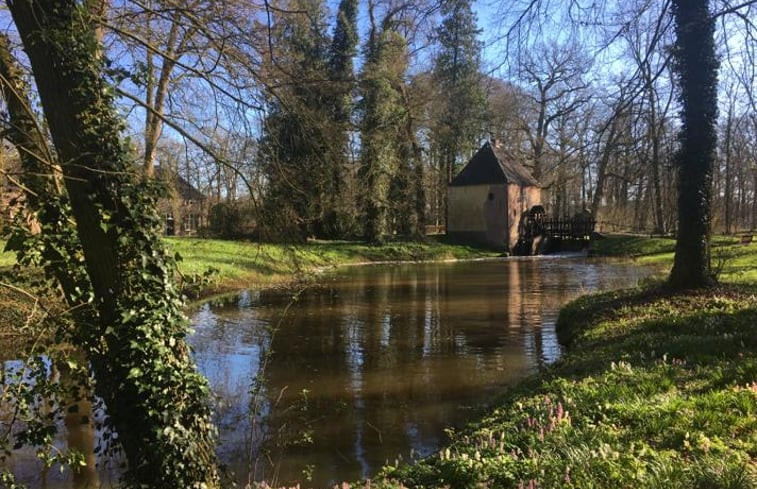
<point x="185" y="210"/>
<point x="488" y="196"/>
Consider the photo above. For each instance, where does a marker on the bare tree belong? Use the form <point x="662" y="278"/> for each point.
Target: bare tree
<point x="555" y="76"/>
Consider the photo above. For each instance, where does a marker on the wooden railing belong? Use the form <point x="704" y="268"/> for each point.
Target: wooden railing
<point x="568" y="228"/>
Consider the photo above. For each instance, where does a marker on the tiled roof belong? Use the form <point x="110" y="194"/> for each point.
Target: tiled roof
<point x="185" y="189"/>
<point x="490" y="165"/>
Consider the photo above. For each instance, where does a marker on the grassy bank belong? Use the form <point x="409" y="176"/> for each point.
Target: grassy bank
<point x="243" y="264"/>
<point x="732" y="262"/>
<point x="656" y="390"/>
<point x="239" y="264"/>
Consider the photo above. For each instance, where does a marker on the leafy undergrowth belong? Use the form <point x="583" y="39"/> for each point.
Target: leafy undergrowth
<point x="658" y="390"/>
<point x="7" y="258"/>
<point x="239" y="264"/>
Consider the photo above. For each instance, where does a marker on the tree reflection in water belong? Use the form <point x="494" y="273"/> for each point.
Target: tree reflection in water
<point x="376" y="362"/>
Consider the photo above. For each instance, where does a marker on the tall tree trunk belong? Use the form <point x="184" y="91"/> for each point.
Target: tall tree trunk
<point x="155" y="398"/>
<point x="656" y="129"/>
<point x="80" y="428"/>
<point x="599" y="189"/>
<point x="156" y="100"/>
<point x="697" y="70"/>
<point x="754" y="199"/>
<point x="537" y="143"/>
<point x="642" y="199"/>
<point x="728" y="191"/>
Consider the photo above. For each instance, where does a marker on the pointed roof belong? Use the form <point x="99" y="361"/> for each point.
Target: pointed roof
<point x="490" y="165"/>
<point x="183" y="188"/>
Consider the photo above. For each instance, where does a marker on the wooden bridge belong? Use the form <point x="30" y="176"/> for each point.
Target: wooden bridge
<point x="568" y="228"/>
<point x="537" y="230"/>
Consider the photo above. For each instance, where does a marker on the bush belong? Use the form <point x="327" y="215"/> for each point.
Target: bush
<point x="232" y="220"/>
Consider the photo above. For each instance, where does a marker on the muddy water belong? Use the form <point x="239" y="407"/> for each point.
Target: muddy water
<point x="375" y="362"/>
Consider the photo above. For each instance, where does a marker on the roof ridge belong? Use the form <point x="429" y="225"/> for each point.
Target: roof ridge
<point x="494" y="166"/>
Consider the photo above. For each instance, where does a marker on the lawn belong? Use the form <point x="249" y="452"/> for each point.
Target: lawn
<point x="731" y="261"/>
<point x="239" y="264"/>
<point x="229" y="265"/>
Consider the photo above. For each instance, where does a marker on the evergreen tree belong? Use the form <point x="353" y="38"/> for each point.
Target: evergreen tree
<point x="343" y="50"/>
<point x="383" y="122"/>
<point x="297" y="129"/>
<point x="336" y="221"/>
<point x="457" y="69"/>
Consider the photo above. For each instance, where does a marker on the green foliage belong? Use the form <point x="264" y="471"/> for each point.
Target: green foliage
<point x="230" y="220"/>
<point x="657" y="390"/>
<point x="297" y="141"/>
<point x="154" y="383"/>
<point x="457" y="70"/>
<point x="383" y="164"/>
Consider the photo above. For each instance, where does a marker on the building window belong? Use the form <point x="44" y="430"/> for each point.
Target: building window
<point x="190" y="223"/>
<point x="169" y="225"/>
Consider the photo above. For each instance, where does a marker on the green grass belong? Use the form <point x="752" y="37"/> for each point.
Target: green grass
<point x="238" y="264"/>
<point x="639" y="246"/>
<point x="631" y="246"/>
<point x="244" y="264"/>
<point x="7" y="258"/>
<point x="738" y="263"/>
<point x="658" y="391"/>
<point x="733" y="262"/>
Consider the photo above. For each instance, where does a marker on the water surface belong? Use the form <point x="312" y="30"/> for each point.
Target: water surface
<point x="375" y="362"/>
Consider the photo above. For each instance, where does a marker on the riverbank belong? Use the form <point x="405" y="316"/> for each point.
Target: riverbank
<point x="212" y="266"/>
<point x="657" y="389"/>
<point x="732" y="262"/>
<point x="232" y="265"/>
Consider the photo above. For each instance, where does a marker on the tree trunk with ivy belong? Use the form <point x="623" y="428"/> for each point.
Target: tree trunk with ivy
<point x="56" y="250"/>
<point x="696" y="67"/>
<point x="156" y="400"/>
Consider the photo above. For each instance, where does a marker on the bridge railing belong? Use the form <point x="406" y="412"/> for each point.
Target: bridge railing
<point x="568" y="228"/>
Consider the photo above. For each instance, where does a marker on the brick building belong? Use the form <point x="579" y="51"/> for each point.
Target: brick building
<point x="488" y="196"/>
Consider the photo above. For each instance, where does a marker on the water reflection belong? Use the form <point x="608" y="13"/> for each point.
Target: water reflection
<point x="376" y="361"/>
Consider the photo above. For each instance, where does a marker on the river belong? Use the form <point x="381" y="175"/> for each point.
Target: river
<point x="373" y="363"/>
